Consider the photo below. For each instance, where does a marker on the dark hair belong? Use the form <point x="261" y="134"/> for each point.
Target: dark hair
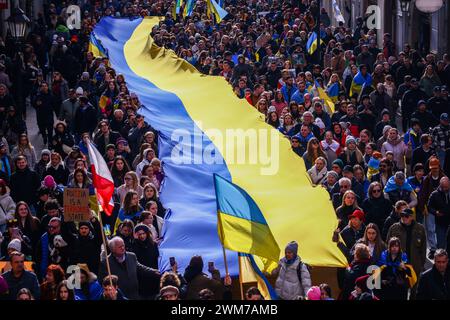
<point x="253" y="291"/>
<point x="110" y="279"/>
<point x="170" y="279"/>
<point x="19" y="158"/>
<point x="325" y="287"/>
<point x="51" y="204"/>
<point x="65" y="284"/>
<point x="424" y="138"/>
<point x="57" y="271"/>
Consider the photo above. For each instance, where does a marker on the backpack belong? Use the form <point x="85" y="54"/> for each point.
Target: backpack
<point x="299" y="270"/>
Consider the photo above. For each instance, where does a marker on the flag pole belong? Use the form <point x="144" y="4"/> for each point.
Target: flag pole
<point x="108" y="268"/>
<point x="241" y="285"/>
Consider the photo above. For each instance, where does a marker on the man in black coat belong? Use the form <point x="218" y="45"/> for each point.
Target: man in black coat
<point x="24" y="182"/>
<point x="409" y="102"/>
<point x="44" y="103"/>
<point x="394" y="217"/>
<point x="85" y="117"/>
<point x="434" y="284"/>
<point x="88" y="246"/>
<point x="137" y="132"/>
<point x="105" y="136"/>
<point x="439" y="206"/>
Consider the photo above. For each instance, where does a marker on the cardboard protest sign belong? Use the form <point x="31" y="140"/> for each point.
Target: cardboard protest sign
<point x="76" y="205"/>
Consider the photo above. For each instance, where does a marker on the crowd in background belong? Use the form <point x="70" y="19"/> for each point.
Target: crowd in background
<point x="379" y="144"/>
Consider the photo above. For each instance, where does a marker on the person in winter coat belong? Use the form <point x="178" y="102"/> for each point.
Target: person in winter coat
<point x="105" y="136"/>
<point x="351" y="233"/>
<point x="85" y="117"/>
<point x="41" y="165"/>
<point x="137" y="132"/>
<point x="90" y="287"/>
<point x="413" y="240"/>
<point x="351" y="155"/>
<point x="7" y="206"/>
<point x="358" y="268"/>
<point x="143" y="246"/>
<point x="62" y="141"/>
<point x="130" y="210"/>
<point x="54" y="276"/>
<point x="151" y="194"/>
<point x="401" y="150"/>
<point x="197" y="280"/>
<point x="125" y="266"/>
<point x="318" y="172"/>
<point x="149" y="155"/>
<point x="146" y="251"/>
<point x="293" y="277"/>
<point x="409" y="102"/>
<point x="88" y="244"/>
<point x="439" y="206"/>
<point x="24" y="182"/>
<point x="56" y="169"/>
<point x="24" y="148"/>
<point x="69" y="108"/>
<point x="394" y="272"/>
<point x="398" y="188"/>
<point x="54" y="247"/>
<point x="376" y="207"/>
<point x="362" y="291"/>
<point x="423" y="118"/>
<point x="44" y="103"/>
<point x="29" y="225"/>
<point x="434" y="284"/>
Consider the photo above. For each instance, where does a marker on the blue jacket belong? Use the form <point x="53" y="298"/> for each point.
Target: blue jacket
<point x="95" y="292"/>
<point x="287" y="93"/>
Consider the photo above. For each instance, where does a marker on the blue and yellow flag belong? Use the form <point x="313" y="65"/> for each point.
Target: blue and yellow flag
<point x="333" y="91"/>
<point x="311" y="45"/>
<point x="359" y="82"/>
<point x="177" y="102"/>
<point x="250" y="272"/>
<point x="95" y="46"/>
<point x="241" y="224"/>
<point x="178" y="5"/>
<point x="216" y="10"/>
<point x="189" y="8"/>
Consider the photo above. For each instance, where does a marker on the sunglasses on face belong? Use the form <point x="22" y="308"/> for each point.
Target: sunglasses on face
<point x="376" y="191"/>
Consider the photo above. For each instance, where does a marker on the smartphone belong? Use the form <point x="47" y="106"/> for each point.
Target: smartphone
<point x="172" y="261"/>
<point x="211" y="265"/>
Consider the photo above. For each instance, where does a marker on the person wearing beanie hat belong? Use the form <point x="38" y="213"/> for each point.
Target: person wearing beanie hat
<point x="330" y="180"/>
<point x="88" y="244"/>
<point x="351" y="155"/>
<point x="41" y="165"/>
<point x="144" y="247"/>
<point x="337" y="166"/>
<point x="14" y="245"/>
<point x="362" y="291"/>
<point x="424" y="116"/>
<point x="293" y="276"/>
<point x="313" y="294"/>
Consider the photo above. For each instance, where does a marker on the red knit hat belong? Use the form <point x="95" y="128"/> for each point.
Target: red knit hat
<point x="357" y="214"/>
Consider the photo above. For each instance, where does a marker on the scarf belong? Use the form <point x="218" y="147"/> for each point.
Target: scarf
<point x="334" y="146"/>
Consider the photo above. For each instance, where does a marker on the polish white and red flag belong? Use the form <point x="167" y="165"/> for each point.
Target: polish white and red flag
<point x="102" y="178"/>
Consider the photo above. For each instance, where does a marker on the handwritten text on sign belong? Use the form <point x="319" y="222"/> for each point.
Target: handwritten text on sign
<point x="76" y="204"/>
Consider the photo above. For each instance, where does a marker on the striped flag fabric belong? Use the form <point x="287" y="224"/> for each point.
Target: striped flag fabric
<point x="101" y="178"/>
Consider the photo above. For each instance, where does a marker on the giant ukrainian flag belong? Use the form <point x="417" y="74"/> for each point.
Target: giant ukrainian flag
<point x="177" y="98"/>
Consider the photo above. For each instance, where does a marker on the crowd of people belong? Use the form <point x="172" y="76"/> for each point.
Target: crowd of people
<point x="389" y="186"/>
